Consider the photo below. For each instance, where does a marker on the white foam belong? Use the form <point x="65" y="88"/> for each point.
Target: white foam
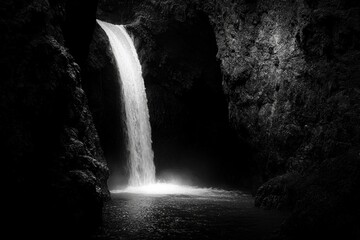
<point x="174" y="189"/>
<point x="133" y="98"/>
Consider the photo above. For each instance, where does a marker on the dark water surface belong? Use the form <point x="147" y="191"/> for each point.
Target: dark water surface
<point x="230" y="215"/>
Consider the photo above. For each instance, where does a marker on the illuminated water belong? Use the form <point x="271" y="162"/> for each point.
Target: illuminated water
<point x="173" y="189"/>
<point x="204" y="214"/>
<point x="140" y="160"/>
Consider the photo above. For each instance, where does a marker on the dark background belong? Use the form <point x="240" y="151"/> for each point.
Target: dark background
<point x="256" y="94"/>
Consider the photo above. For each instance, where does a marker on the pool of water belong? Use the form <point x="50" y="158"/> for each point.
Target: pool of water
<point x="211" y="215"/>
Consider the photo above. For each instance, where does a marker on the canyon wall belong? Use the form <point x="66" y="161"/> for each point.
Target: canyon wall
<point x="53" y="163"/>
<point x="291" y="71"/>
<point x="103" y="90"/>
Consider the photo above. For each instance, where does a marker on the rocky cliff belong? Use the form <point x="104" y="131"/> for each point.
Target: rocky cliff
<point x="103" y="90"/>
<point x="54" y="167"/>
<point x="290" y="73"/>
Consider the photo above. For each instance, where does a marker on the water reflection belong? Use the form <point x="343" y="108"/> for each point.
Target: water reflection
<point x="218" y="216"/>
<point x="160" y="188"/>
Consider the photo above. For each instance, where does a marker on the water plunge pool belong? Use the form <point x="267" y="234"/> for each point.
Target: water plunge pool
<point x="210" y="214"/>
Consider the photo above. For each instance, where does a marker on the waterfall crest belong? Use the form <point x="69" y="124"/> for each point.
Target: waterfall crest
<point x="140" y="154"/>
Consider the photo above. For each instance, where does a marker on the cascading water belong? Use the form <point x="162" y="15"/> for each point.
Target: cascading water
<point x="140" y="160"/>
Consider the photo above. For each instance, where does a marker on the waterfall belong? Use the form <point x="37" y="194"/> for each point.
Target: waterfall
<point x="140" y="154"/>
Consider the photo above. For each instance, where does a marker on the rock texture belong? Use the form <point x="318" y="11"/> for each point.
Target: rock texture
<point x="103" y="90"/>
<point x="290" y="71"/>
<point x="54" y="167"/>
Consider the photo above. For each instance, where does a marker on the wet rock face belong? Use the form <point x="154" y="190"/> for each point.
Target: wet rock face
<point x="103" y="90"/>
<point x="291" y="74"/>
<point x="290" y="78"/>
<point x="54" y="164"/>
<point x="291" y="71"/>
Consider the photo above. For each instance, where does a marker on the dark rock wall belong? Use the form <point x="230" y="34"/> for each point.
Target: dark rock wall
<point x="291" y="71"/>
<point x="103" y="91"/>
<point x="52" y="161"/>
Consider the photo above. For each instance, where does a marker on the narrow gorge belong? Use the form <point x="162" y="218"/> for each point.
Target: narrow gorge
<point x="193" y="119"/>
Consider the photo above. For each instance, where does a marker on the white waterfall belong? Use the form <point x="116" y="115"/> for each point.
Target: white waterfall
<point x="140" y="160"/>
